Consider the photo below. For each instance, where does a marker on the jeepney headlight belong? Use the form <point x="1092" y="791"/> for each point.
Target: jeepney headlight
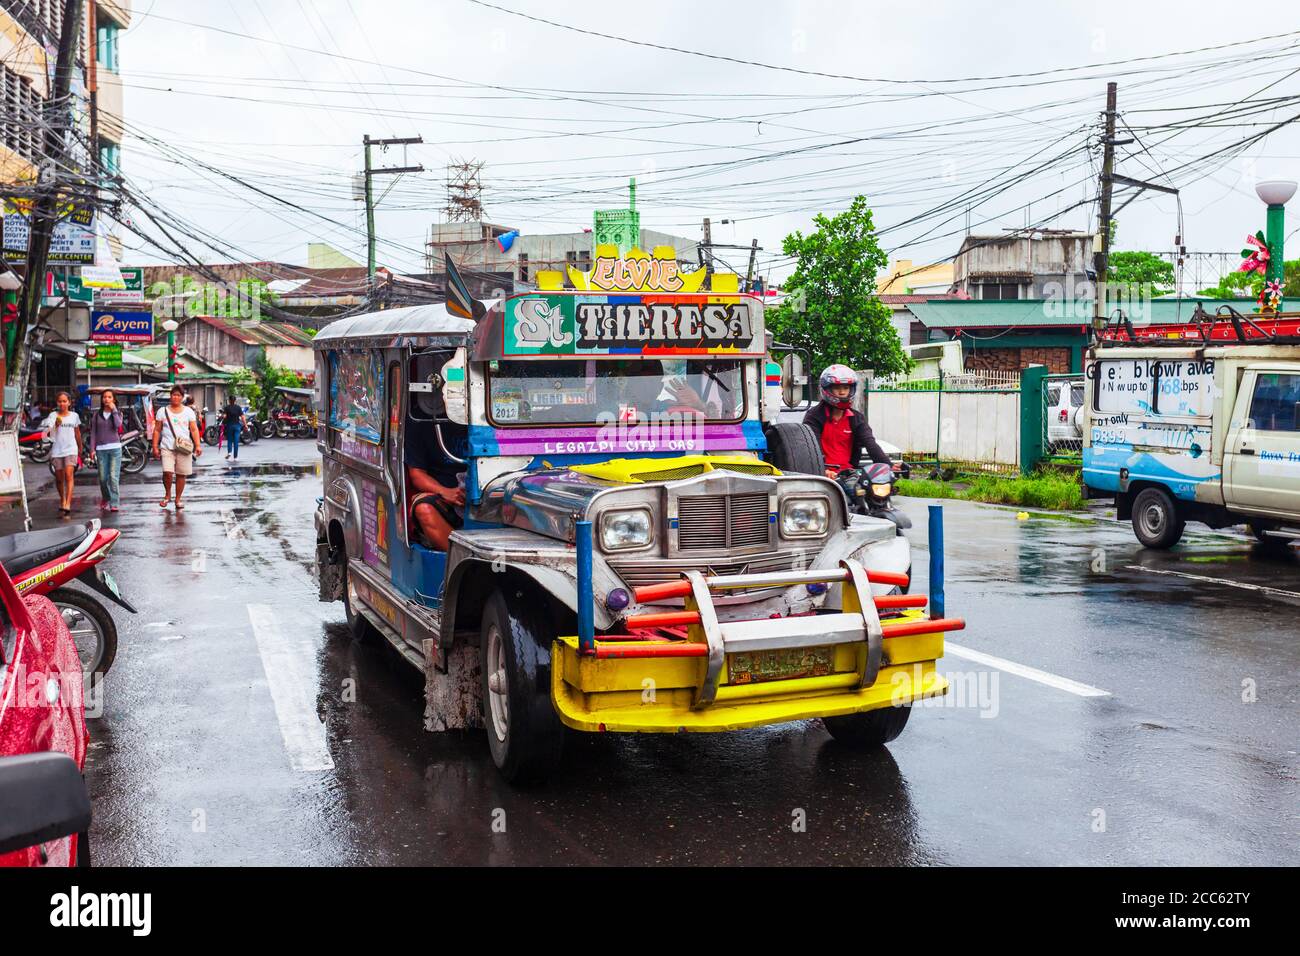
<point x="804" y="517"/>
<point x="625" y="529"/>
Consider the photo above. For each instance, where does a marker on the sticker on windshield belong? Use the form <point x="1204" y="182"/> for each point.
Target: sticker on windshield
<point x="505" y="410"/>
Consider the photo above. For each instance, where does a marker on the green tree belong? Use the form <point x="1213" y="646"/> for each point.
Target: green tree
<point x="1242" y="285"/>
<point x="246" y="385"/>
<point x="1141" y="268"/>
<point x="270" y="377"/>
<point x="831" y="308"/>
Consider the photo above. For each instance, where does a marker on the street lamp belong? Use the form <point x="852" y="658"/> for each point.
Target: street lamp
<point x="170" y="327"/>
<point x="1276" y="193"/>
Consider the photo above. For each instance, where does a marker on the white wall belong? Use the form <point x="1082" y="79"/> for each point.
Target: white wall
<point x="977" y="427"/>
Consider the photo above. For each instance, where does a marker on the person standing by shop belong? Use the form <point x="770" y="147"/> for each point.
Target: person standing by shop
<point x="63" y="429"/>
<point x="176" y="442"/>
<point x="106" y="427"/>
<point x="233" y="423"/>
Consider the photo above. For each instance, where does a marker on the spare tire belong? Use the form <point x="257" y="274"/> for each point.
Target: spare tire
<point x="793" y="446"/>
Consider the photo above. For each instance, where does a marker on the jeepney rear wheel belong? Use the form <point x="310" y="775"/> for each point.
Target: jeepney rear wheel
<point x="869" y="729"/>
<point x="363" y="632"/>
<point x="1157" y="521"/>
<point x="524" y="733"/>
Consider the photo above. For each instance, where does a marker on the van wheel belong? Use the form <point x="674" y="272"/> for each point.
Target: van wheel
<point x="869" y="729"/>
<point x="363" y="632"/>
<point x="1156" y="519"/>
<point x="524" y="733"/>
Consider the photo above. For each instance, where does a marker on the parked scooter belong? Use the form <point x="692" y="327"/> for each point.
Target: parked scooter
<point x="44" y="562"/>
<point x="33" y="444"/>
<point x="870" y="491"/>
<point x="135" y="455"/>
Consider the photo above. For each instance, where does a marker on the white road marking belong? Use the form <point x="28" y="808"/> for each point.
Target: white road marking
<point x="1205" y="577"/>
<point x="288" y="663"/>
<point x="1022" y="670"/>
<point x="233" y="530"/>
<point x="172" y="637"/>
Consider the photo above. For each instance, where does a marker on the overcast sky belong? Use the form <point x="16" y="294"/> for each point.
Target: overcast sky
<point x="561" y="119"/>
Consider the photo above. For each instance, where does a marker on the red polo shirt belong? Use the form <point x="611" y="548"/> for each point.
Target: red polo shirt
<point x="837" y="440"/>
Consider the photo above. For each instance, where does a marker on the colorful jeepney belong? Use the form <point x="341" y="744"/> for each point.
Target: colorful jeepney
<point x="644" y="547"/>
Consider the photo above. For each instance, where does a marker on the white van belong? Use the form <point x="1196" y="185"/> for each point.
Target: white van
<point x="1187" y="432"/>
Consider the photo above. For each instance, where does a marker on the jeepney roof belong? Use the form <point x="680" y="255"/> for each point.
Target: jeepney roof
<point x="415" y="320"/>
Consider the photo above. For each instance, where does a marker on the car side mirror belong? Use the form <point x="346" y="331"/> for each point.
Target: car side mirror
<point x="42" y="797"/>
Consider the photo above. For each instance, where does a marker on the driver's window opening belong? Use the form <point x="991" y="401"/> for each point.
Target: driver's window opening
<point x="597" y="391"/>
<point x="434" y="451"/>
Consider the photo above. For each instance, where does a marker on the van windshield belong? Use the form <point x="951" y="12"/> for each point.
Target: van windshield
<point x="601" y="391"/>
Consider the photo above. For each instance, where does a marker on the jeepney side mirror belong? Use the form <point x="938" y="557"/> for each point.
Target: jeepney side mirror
<point x="793" y="379"/>
<point x="437" y="386"/>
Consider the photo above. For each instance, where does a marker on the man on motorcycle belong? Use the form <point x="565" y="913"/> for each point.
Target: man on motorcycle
<point x="842" y="431"/>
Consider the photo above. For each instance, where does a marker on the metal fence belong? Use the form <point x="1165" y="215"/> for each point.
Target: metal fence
<point x="1063" y="418"/>
<point x="967" y="422"/>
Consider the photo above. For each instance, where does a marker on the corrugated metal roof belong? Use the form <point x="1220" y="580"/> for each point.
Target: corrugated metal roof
<point x="260" y="333"/>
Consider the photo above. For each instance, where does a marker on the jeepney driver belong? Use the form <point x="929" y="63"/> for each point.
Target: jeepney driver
<point x="432" y="486"/>
<point x="842" y="431"/>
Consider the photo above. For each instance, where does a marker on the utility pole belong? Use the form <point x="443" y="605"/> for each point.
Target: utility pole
<point x="370" y="174"/>
<point x="707" y="247"/>
<point x="1101" y="257"/>
<point x="58" y="117"/>
<point x="749" y="273"/>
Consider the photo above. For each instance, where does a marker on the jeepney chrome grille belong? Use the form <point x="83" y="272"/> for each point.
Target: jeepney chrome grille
<point x="707" y="522"/>
<point x="641" y="573"/>
<point x="670" y="474"/>
<point x="757" y="468"/>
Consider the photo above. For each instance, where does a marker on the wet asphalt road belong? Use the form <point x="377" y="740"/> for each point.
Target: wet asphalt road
<point x="193" y="760"/>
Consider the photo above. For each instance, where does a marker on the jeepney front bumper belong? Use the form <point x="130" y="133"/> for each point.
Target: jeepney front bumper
<point x="727" y="675"/>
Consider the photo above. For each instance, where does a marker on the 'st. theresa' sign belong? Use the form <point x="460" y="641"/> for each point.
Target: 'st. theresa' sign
<point x="559" y="324"/>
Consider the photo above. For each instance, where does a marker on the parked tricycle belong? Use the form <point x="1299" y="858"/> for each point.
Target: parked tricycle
<point x="643" y="547"/>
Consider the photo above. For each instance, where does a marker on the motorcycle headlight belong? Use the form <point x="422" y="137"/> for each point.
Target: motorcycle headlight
<point x="625" y="529"/>
<point x="882" y="490"/>
<point x="804" y="517"/>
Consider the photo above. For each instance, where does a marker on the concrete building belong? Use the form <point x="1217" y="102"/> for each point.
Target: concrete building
<point x="488" y="270"/>
<point x="1039" y="264"/>
<point x="29" y="43"/>
<point x="905" y="278"/>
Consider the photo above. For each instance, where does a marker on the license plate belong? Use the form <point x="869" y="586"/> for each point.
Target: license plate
<point x="112" y="585"/>
<point x="786" y="663"/>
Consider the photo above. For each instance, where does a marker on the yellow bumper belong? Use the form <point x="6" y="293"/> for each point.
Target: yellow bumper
<point x="657" y="695"/>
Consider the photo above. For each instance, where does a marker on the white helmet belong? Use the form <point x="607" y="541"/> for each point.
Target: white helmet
<point x="838" y="375"/>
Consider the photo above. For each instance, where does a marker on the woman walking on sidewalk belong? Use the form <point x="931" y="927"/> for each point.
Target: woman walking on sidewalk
<point x="106" y="448"/>
<point x="176" y="442"/>
<point x="63" y="428"/>
<point x="233" y="423"/>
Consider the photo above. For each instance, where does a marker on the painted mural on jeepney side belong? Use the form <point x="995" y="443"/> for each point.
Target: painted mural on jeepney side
<point x="649" y="324"/>
<point x="357" y="395"/>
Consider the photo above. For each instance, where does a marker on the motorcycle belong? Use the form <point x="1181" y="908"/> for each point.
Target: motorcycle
<point x="870" y="491"/>
<point x="216" y="434"/>
<point x="33" y="444"/>
<point x="135" y="454"/>
<point x="45" y="562"/>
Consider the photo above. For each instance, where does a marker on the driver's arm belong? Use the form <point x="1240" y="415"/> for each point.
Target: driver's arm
<point x="421" y="481"/>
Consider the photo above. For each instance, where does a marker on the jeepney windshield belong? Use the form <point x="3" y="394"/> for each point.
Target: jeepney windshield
<point x="600" y="391"/>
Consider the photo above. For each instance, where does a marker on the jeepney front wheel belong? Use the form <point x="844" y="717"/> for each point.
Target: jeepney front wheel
<point x="869" y="729"/>
<point x="524" y="733"/>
